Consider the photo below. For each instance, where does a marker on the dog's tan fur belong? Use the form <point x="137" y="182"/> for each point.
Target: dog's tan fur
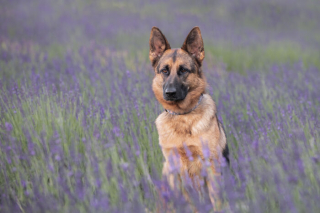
<point x="191" y="130"/>
<point x="196" y="128"/>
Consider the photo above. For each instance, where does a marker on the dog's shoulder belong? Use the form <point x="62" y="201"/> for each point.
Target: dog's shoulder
<point x="162" y="118"/>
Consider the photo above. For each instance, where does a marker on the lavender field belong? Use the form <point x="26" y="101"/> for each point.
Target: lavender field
<point x="77" y="111"/>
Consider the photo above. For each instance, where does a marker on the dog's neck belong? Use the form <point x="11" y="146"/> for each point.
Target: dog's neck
<point x="183" y="113"/>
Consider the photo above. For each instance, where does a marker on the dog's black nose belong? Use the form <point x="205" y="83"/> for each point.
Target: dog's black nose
<point x="170" y="91"/>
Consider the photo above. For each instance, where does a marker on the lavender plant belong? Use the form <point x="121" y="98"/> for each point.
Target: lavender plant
<point x="77" y="110"/>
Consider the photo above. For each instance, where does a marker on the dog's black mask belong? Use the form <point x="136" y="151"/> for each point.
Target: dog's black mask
<point x="173" y="89"/>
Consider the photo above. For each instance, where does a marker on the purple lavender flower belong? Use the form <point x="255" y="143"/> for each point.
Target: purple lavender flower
<point x="8" y="126"/>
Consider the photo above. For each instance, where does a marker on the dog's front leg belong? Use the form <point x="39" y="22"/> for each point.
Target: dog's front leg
<point x="168" y="174"/>
<point x="212" y="182"/>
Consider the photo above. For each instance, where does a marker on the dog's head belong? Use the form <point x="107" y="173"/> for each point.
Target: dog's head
<point x="178" y="81"/>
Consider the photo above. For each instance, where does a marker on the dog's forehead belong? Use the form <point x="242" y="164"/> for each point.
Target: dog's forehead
<point x="175" y="56"/>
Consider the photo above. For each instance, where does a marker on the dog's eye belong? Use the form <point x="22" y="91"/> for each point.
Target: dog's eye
<point x="183" y="70"/>
<point x="165" y="71"/>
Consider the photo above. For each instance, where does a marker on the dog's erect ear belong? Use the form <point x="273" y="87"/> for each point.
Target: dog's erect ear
<point x="194" y="45"/>
<point x="158" y="44"/>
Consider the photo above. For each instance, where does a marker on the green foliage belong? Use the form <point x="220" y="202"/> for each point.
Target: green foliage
<point x="245" y="58"/>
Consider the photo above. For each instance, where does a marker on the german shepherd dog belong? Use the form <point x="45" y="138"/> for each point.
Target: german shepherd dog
<point x="190" y="117"/>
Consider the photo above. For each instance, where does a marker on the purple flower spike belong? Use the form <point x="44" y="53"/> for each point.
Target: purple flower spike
<point x="9" y="127"/>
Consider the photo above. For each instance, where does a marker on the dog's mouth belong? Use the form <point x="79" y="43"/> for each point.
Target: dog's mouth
<point x="174" y="98"/>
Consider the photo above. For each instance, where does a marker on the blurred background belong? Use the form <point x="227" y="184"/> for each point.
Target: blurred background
<point x="241" y="34"/>
<point x="77" y="111"/>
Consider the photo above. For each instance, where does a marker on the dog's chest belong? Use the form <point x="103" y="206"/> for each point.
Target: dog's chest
<point x="176" y="132"/>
